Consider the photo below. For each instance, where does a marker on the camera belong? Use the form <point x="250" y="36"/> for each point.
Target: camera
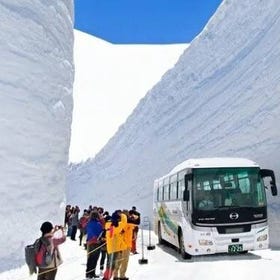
<point x="58" y="227"/>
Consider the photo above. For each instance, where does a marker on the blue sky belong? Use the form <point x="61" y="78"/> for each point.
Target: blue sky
<point x="144" y="21"/>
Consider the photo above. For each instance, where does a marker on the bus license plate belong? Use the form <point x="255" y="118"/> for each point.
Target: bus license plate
<point x="235" y="248"/>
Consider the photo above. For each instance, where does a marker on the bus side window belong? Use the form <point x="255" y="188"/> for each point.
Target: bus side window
<point x="166" y="188"/>
<point x="181" y="183"/>
<point x="181" y="188"/>
<point x="173" y="187"/>
<point x="173" y="191"/>
<point x="166" y="192"/>
<point x="160" y="193"/>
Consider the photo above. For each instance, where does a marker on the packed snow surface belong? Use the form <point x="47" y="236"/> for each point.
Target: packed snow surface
<point x="164" y="263"/>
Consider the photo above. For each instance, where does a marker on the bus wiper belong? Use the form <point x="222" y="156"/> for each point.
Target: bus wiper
<point x="228" y="207"/>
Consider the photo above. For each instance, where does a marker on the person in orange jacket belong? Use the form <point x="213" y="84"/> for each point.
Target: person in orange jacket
<point x="123" y="256"/>
<point x="114" y="242"/>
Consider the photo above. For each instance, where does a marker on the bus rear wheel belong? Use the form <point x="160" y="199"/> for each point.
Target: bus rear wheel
<point x="182" y="249"/>
<point x="243" y="252"/>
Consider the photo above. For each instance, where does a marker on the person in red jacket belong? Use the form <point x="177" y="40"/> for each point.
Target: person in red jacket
<point x="83" y="224"/>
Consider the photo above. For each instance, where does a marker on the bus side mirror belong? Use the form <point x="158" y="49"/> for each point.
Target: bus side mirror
<point x="188" y="177"/>
<point x="273" y="189"/>
<point x="269" y="173"/>
<point x="186" y="195"/>
<point x="188" y="180"/>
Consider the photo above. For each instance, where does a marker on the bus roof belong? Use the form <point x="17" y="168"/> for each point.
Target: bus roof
<point x="212" y="163"/>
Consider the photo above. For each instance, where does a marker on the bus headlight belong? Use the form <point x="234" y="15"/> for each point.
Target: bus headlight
<point x="205" y="242"/>
<point x="262" y="237"/>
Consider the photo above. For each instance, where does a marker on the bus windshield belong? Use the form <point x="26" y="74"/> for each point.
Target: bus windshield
<point x="215" y="188"/>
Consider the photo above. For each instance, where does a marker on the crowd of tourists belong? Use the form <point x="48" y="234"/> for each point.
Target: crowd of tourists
<point x="109" y="238"/>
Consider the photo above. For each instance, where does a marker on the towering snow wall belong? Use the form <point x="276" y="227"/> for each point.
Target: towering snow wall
<point x="222" y="98"/>
<point x="35" y="117"/>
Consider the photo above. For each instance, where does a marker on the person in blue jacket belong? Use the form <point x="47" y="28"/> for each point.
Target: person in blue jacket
<point x="94" y="233"/>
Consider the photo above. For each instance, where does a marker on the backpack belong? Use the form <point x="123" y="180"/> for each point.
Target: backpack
<point x="83" y="223"/>
<point x="38" y="255"/>
<point x="30" y="255"/>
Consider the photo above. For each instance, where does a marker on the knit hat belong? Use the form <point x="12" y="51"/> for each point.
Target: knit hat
<point x="46" y="227"/>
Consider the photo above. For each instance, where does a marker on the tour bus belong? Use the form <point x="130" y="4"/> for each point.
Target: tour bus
<point x="213" y="205"/>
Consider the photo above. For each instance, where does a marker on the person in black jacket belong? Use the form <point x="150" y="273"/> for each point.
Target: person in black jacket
<point x="135" y="218"/>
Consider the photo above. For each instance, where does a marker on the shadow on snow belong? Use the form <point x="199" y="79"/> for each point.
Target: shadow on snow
<point x="172" y="250"/>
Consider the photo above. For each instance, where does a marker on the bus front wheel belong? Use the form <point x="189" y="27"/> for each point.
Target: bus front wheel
<point x="182" y="249"/>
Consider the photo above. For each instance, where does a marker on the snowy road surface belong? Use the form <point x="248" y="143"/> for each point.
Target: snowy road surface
<point x="165" y="263"/>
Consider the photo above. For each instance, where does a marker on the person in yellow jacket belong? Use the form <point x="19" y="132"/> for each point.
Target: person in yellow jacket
<point x="123" y="257"/>
<point x="114" y="242"/>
